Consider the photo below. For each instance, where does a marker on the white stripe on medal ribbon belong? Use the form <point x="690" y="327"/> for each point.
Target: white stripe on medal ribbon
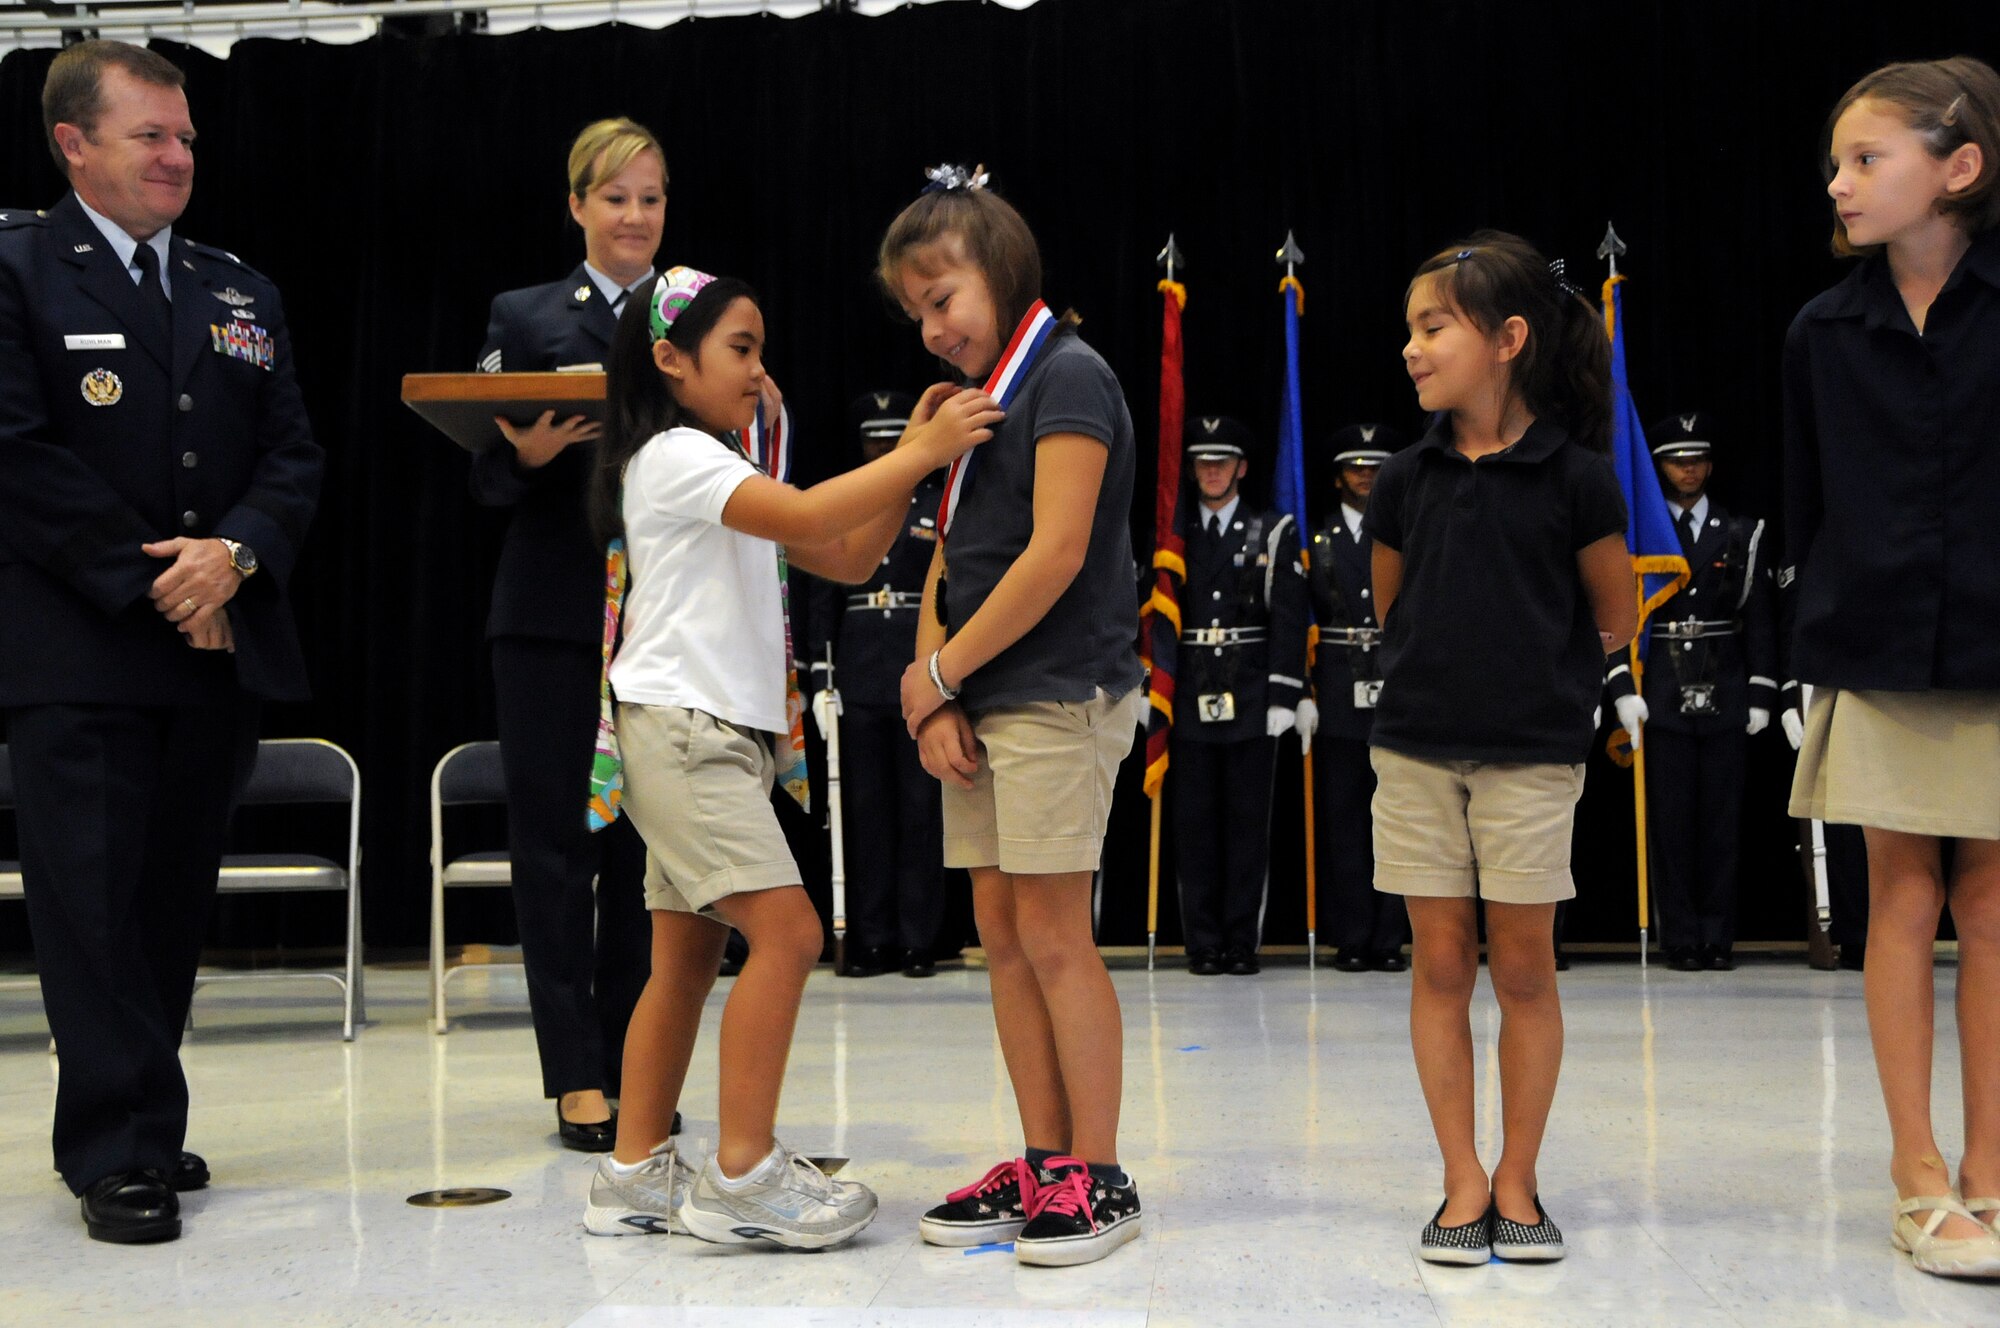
<point x="1001" y="387"/>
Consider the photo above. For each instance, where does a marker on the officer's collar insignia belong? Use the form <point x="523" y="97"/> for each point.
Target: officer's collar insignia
<point x="1368" y="432"/>
<point x="84" y="249"/>
<point x="189" y="266"/>
<point x="1687" y="422"/>
<point x="1211" y="425"/>
<point x="582" y="293"/>
<point x="234" y="298"/>
<point x="101" y="387"/>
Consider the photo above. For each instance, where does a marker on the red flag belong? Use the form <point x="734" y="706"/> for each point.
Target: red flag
<point x="1160" y="619"/>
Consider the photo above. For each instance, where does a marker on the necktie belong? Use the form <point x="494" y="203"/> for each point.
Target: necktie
<point x="1214" y="526"/>
<point x="152" y="294"/>
<point x="618" y="305"/>
<point x="1687" y="533"/>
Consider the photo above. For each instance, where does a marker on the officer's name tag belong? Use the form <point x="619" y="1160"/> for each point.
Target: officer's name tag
<point x="1216" y="707"/>
<point x="1366" y="694"/>
<point x="94" y="341"/>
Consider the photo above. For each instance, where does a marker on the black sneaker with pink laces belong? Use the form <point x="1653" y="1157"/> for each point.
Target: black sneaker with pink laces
<point x="990" y="1211"/>
<point x="1077" y="1217"/>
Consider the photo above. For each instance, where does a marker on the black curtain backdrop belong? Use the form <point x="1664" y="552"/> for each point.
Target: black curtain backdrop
<point x="392" y="188"/>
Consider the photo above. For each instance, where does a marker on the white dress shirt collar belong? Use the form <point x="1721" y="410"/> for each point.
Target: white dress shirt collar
<point x="1225" y="513"/>
<point x="608" y="287"/>
<point x="1352" y="516"/>
<point x="125" y="245"/>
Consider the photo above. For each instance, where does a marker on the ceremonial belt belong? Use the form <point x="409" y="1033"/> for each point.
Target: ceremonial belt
<point x="1691" y="629"/>
<point x="886" y="599"/>
<point x="1351" y="636"/>
<point x="1221" y="636"/>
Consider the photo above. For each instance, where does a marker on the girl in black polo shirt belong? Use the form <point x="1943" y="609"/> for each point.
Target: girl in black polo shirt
<point x="1502" y="578"/>
<point x="1892" y="415"/>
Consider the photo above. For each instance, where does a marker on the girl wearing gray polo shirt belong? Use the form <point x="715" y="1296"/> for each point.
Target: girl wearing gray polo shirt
<point x="1024" y="698"/>
<point x="1502" y="578"/>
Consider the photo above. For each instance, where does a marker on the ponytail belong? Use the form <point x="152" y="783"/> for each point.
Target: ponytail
<point x="1563" y="373"/>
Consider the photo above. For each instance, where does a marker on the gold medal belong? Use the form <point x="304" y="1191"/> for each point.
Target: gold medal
<point x="101" y="387"/>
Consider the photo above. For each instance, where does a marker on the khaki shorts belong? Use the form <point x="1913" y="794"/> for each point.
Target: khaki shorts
<point x="1924" y="763"/>
<point x="1042" y="795"/>
<point x="1454" y="829"/>
<point x="698" y="789"/>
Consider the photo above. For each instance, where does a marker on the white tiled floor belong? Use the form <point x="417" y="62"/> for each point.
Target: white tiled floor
<point x="1716" y="1157"/>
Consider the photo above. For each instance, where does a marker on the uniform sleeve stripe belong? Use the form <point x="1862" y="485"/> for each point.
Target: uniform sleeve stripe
<point x="1759" y="681"/>
<point x="1622" y="668"/>
<point x="491" y="364"/>
<point x="1283" y="681"/>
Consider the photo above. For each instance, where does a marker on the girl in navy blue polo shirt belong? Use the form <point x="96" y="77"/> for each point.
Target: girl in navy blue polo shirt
<point x="1502" y="579"/>
<point x="1892" y="415"/>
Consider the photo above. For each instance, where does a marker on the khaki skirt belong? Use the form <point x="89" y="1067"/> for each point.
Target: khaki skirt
<point x="1926" y="763"/>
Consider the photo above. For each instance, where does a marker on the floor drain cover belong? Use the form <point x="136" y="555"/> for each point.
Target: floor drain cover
<point x="459" y="1198"/>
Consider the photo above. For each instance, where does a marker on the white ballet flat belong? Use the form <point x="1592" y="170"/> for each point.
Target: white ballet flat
<point x="1970" y="1256"/>
<point x="1987" y="1211"/>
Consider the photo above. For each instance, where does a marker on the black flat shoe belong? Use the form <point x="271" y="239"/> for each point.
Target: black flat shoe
<point x="919" y="964"/>
<point x="1351" y="961"/>
<point x="1243" y="963"/>
<point x="189" y="1173"/>
<point x="591" y="1136"/>
<point x="870" y="961"/>
<point x="1853" y="957"/>
<point x="1683" y="959"/>
<point x="1204" y="963"/>
<point x="1389" y="961"/>
<point x="132" y="1208"/>
<point x="1718" y="958"/>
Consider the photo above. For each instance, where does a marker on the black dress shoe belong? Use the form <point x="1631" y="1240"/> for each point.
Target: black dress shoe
<point x="1349" y="960"/>
<point x="1243" y="963"/>
<point x="1684" y="959"/>
<point x="919" y="964"/>
<point x="132" y="1208"/>
<point x="1204" y="963"/>
<point x="588" y="1137"/>
<point x="870" y="961"/>
<point x="1852" y="957"/>
<point x="1718" y="957"/>
<point x="189" y="1173"/>
<point x="1388" y="961"/>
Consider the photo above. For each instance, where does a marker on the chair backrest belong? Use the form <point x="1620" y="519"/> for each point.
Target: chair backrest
<point x="301" y="770"/>
<point x="470" y="772"/>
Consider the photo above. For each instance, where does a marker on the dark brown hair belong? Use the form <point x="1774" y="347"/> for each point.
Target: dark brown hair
<point x="1949" y="103"/>
<point x="993" y="237"/>
<point x="1563" y="373"/>
<point x="73" y="92"/>
<point x="638" y="402"/>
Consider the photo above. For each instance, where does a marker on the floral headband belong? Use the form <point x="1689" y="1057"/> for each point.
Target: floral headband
<point x="672" y="294"/>
<point x="951" y="179"/>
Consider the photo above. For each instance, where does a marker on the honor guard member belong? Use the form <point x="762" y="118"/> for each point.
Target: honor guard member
<point x="891" y="814"/>
<point x="1241" y="684"/>
<point x="1711" y="667"/>
<point x="157" y="475"/>
<point x="1367" y="927"/>
<point x="579" y="896"/>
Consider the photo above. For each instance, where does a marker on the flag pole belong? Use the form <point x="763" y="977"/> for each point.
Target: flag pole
<point x="1608" y="249"/>
<point x="1291" y="256"/>
<point x="1171" y="259"/>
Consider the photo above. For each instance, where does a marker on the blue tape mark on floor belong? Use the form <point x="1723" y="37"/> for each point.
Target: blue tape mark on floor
<point x="1005" y="1248"/>
<point x="1196" y="1047"/>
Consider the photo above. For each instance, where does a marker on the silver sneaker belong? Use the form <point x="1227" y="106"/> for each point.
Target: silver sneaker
<point x="646" y="1203"/>
<point x="787" y="1201"/>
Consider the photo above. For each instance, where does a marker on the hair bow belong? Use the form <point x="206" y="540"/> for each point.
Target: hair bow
<point x="950" y="178"/>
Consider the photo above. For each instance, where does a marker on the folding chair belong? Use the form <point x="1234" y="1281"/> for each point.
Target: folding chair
<point x="296" y="772"/>
<point x="468" y="774"/>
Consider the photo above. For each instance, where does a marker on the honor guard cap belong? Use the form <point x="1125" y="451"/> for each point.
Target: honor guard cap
<point x="1364" y="444"/>
<point x="881" y="414"/>
<point x="1215" y="436"/>
<point x="1682" y="437"/>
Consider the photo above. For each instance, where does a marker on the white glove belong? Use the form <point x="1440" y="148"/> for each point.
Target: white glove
<point x="1597" y="718"/>
<point x="1794" y="727"/>
<point x="1277" y="719"/>
<point x="825" y="707"/>
<point x="1760" y="719"/>
<point x="1307" y="723"/>
<point x="1632" y="715"/>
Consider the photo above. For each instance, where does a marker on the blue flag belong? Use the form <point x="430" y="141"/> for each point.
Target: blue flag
<point x="1289" y="479"/>
<point x="1649" y="527"/>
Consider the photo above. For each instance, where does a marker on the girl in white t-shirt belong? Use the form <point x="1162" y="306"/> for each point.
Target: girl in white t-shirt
<point x="701" y="682"/>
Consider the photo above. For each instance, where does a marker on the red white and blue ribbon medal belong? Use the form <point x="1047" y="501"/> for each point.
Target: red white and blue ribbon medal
<point x="1037" y="326"/>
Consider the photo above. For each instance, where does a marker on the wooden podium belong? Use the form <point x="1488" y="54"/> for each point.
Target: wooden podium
<point x="462" y="405"/>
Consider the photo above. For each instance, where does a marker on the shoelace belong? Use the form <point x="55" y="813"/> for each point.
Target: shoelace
<point x="1014" y="1170"/>
<point x="811" y="1180"/>
<point x="1067" y="1197"/>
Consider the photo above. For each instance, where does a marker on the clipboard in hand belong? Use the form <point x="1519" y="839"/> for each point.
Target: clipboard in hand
<point x="462" y="405"/>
